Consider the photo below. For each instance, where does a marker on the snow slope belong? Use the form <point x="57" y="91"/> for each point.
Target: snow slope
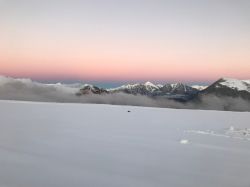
<point x="62" y="145"/>
<point x="199" y="87"/>
<point x="240" y="85"/>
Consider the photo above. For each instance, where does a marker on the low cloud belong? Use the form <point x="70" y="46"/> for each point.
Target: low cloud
<point x="26" y="90"/>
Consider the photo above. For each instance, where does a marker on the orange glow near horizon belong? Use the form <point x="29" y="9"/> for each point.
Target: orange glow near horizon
<point x="135" y="63"/>
<point x="124" y="64"/>
<point x="122" y="41"/>
<point x="122" y="70"/>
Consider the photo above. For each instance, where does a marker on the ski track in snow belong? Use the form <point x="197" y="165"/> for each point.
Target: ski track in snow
<point x="212" y="133"/>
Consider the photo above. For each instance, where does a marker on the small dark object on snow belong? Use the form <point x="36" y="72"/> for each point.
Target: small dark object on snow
<point x="129" y="111"/>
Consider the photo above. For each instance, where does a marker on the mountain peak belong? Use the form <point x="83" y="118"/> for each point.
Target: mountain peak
<point x="150" y="86"/>
<point x="230" y="87"/>
<point x="228" y="79"/>
<point x="199" y="87"/>
<point x="149" y="83"/>
<point x="240" y="85"/>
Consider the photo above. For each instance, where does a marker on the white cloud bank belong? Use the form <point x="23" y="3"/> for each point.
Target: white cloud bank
<point x="27" y="90"/>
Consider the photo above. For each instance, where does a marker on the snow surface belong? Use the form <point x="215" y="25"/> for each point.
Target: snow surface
<point x="184" y="141"/>
<point x="149" y="86"/>
<point x="241" y="85"/>
<point x="199" y="87"/>
<point x="62" y="145"/>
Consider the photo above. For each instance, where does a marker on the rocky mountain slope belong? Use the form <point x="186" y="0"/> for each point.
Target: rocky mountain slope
<point x="178" y="91"/>
<point x="229" y="87"/>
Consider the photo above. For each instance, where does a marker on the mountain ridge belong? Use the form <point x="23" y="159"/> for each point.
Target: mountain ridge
<point x="228" y="87"/>
<point x="171" y="91"/>
<point x="224" y="94"/>
<point x="179" y="91"/>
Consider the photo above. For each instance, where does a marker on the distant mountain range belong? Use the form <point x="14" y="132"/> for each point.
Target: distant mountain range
<point x="178" y="91"/>
<point x="224" y="94"/>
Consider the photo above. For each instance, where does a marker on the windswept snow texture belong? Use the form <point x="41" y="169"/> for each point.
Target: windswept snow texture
<point x="88" y="145"/>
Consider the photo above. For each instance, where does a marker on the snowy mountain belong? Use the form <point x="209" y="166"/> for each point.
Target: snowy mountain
<point x="227" y="94"/>
<point x="199" y="87"/>
<point x="177" y="90"/>
<point x="229" y="87"/>
<point x="90" y="89"/>
<point x="240" y="85"/>
<point x="147" y="88"/>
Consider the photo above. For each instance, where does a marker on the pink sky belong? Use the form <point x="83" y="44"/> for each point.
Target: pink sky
<point x="113" y="61"/>
<point x="119" y="42"/>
